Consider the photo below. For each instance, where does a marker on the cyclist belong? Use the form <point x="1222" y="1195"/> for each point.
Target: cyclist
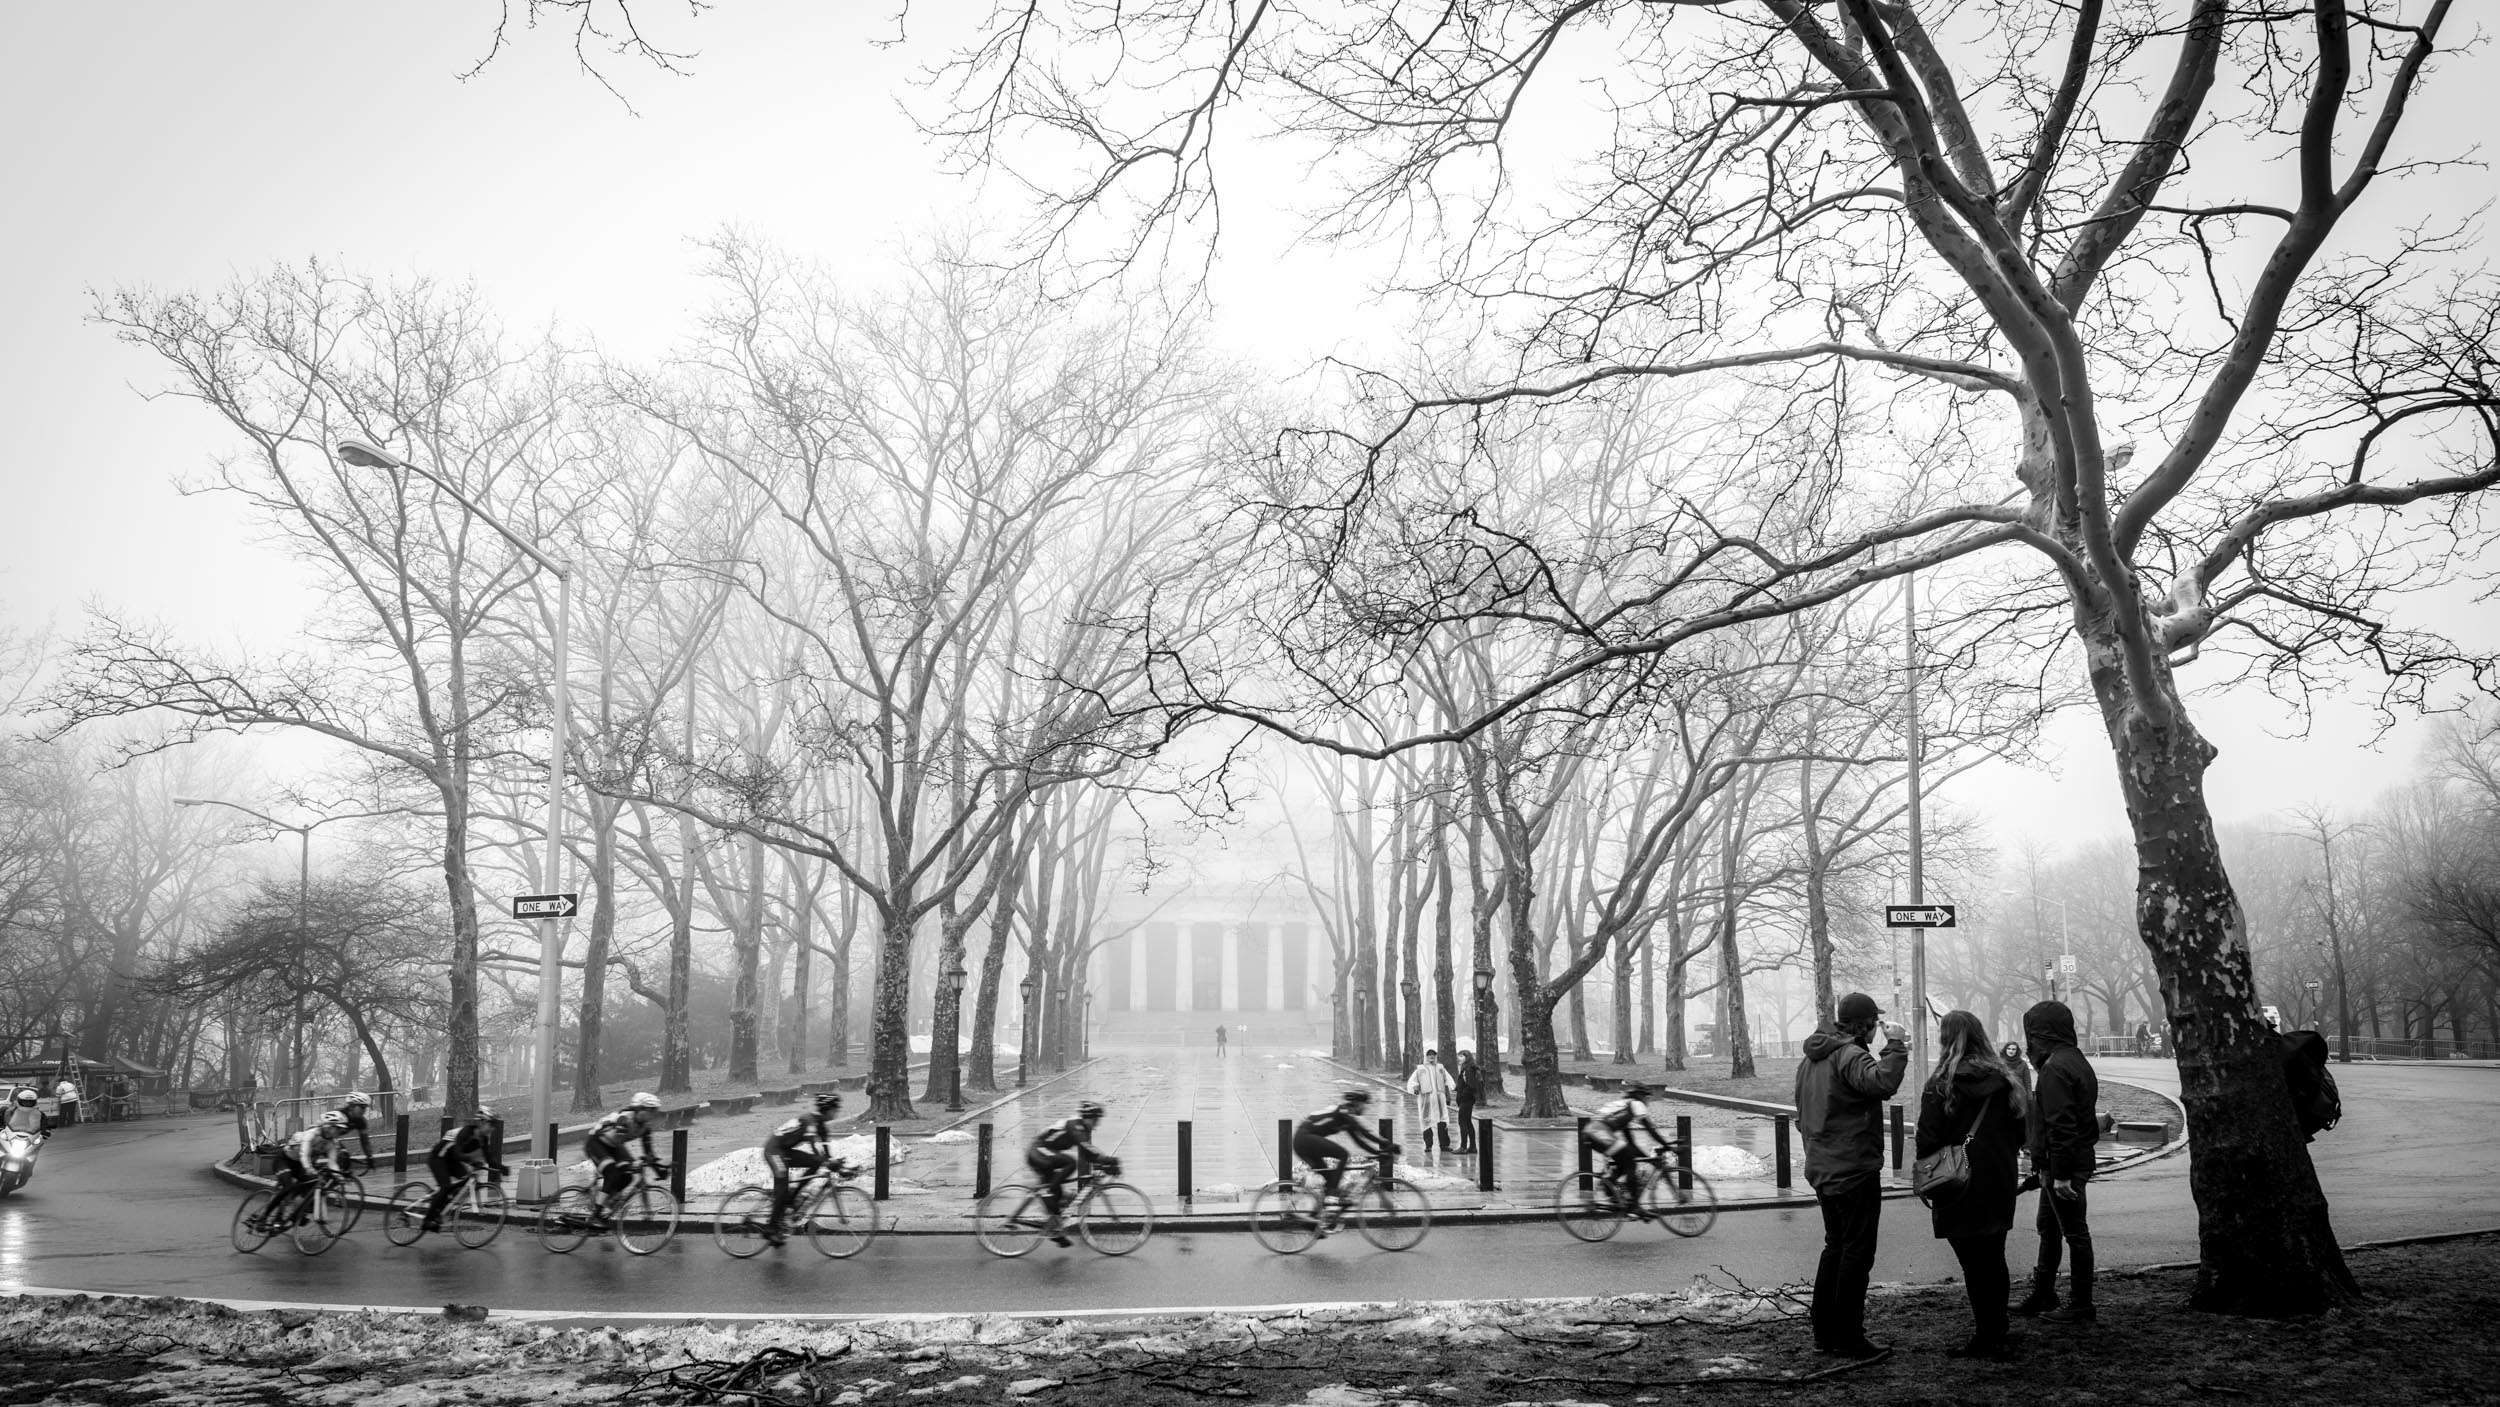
<point x="1611" y="1133"/>
<point x="352" y="1109"/>
<point x="606" y="1150"/>
<point x="799" y="1143"/>
<point x="1314" y="1142"/>
<point x="304" y="1159"/>
<point x="1053" y="1158"/>
<point x="465" y="1150"/>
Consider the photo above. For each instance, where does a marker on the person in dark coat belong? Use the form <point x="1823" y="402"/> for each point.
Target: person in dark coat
<point x="1841" y="1089"/>
<point x="1973" y="1096"/>
<point x="1468" y="1090"/>
<point x="2064" y="1124"/>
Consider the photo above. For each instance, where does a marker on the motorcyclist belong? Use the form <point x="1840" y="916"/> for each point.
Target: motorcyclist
<point x="25" y="1114"/>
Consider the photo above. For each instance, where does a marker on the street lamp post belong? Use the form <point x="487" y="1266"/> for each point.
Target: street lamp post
<point x="1024" y="1044"/>
<point x="955" y="976"/>
<point x="550" y="943"/>
<point x="1362" y="1028"/>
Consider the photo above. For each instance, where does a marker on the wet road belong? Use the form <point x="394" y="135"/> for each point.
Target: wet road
<point x="130" y="1209"/>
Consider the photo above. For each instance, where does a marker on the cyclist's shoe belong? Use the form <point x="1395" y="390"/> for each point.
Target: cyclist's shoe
<point x="433" y="1223"/>
<point x="1060" y="1238"/>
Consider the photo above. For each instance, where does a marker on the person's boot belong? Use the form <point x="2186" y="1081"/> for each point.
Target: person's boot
<point x="2043" y="1296"/>
<point x="2078" y="1306"/>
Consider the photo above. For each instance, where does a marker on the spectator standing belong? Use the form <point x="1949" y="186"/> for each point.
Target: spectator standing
<point x="1467" y="1087"/>
<point x="1431" y="1085"/>
<point x="67" y="1094"/>
<point x="1841" y="1089"/>
<point x="1221" y="1038"/>
<point x="1974" y="1100"/>
<point x="2064" y="1123"/>
<point x="2144" y="1038"/>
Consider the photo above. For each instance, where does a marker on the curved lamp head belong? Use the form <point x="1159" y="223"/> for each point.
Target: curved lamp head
<point x="365" y="456"/>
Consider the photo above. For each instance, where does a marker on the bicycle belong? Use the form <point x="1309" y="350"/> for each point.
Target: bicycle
<point x="475" y="1214"/>
<point x="840" y="1219"/>
<point x="314" y="1218"/>
<point x="642" y="1214"/>
<point x="1390" y="1212"/>
<point x="1112" y="1217"/>
<point x="1592" y="1206"/>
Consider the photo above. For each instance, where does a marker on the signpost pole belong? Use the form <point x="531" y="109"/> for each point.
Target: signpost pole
<point x="551" y="928"/>
<point x="1917" y="1023"/>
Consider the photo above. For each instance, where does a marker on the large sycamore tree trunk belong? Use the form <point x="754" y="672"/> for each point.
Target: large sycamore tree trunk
<point x="2265" y="1244"/>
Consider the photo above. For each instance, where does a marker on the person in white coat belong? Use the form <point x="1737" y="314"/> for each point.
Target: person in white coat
<point x="1431" y="1086"/>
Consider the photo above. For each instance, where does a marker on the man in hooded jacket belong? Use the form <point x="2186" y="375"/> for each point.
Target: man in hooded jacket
<point x="2064" y="1122"/>
<point x="1841" y="1089"/>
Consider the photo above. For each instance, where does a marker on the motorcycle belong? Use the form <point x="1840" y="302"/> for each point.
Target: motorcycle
<point x="17" y="1159"/>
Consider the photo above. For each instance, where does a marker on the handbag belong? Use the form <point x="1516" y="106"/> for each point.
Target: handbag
<point x="1941" y="1175"/>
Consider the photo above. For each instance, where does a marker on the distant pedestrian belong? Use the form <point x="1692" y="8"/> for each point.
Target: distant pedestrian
<point x="1974" y="1100"/>
<point x="1841" y="1089"/>
<point x="1221" y="1036"/>
<point x="1432" y="1086"/>
<point x="1467" y="1087"/>
<point x="67" y="1094"/>
<point x="2064" y="1123"/>
<point x="2143" y="1038"/>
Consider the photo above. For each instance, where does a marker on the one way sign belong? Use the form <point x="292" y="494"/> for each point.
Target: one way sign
<point x="1918" y="915"/>
<point x="546" y="906"/>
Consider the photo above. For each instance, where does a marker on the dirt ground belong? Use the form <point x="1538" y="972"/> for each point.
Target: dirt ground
<point x="2420" y="1339"/>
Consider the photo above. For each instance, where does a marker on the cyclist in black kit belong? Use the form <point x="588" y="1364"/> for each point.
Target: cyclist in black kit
<point x="1314" y="1140"/>
<point x="798" y="1143"/>
<point x="605" y="1147"/>
<point x="1053" y="1158"/>
<point x="1610" y="1132"/>
<point x="465" y="1150"/>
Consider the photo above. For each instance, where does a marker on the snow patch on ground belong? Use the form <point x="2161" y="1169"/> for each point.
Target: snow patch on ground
<point x="1719" y="1160"/>
<point x="949" y="1136"/>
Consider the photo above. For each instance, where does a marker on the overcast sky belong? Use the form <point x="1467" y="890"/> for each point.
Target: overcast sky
<point x="180" y="145"/>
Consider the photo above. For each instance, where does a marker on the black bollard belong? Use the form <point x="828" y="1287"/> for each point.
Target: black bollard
<point x="1684" y="1151"/>
<point x="1184" y="1152"/>
<point x="981" y="1163"/>
<point x="1484" y="1155"/>
<point x="1388" y="1162"/>
<point x="1896" y="1138"/>
<point x="1284" y="1150"/>
<point x="399" y="1148"/>
<point x="676" y="1162"/>
<point x="1779" y="1136"/>
<point x="1579" y="1140"/>
<point x="553" y="1133"/>
<point x="885" y="1158"/>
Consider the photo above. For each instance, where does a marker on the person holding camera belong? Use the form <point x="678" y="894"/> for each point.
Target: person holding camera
<point x="1841" y="1089"/>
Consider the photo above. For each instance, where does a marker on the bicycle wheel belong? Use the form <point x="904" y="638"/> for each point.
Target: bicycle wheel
<point x="1285" y="1217"/>
<point x="1584" y="1208"/>
<point x="250" y="1231"/>
<point x="1009" y="1221"/>
<point x="564" y="1220"/>
<point x="1115" y="1219"/>
<point x="347" y="1203"/>
<point x="842" y="1222"/>
<point x="478" y="1217"/>
<point x="1684" y="1212"/>
<point x="321" y="1227"/>
<point x="403" y="1222"/>
<point x="647" y="1221"/>
<point x="1393" y="1215"/>
<point x="745" y="1215"/>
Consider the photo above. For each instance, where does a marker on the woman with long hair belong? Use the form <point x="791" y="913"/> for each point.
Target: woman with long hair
<point x="1974" y="1096"/>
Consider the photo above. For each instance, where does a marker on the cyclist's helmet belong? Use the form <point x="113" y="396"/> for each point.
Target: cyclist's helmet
<point x="1637" y="1090"/>
<point x="334" y="1120"/>
<point x="1355" y="1096"/>
<point x="485" y="1114"/>
<point x="644" y="1100"/>
<point x="356" y="1099"/>
<point x="827" y="1102"/>
<point x="1090" y="1109"/>
<point x="25" y="1096"/>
